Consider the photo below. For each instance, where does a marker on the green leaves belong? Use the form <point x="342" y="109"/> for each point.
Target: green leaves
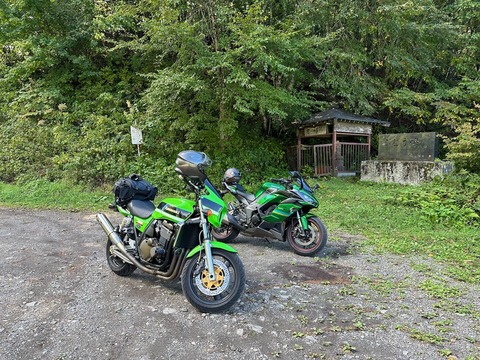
<point x="454" y="200"/>
<point x="222" y="75"/>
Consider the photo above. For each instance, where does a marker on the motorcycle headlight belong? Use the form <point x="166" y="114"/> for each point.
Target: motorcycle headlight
<point x="305" y="197"/>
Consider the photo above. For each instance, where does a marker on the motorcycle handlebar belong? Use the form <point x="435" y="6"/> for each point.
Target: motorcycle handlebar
<point x="287" y="183"/>
<point x="281" y="181"/>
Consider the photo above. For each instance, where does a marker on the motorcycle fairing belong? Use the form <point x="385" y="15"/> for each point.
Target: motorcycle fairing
<point x="215" y="211"/>
<point x="268" y="186"/>
<point x="213" y="204"/>
<point x="282" y="211"/>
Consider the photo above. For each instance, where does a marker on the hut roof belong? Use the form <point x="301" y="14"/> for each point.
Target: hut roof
<point x="333" y="114"/>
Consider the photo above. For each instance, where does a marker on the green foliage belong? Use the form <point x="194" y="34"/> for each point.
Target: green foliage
<point x="464" y="149"/>
<point x="371" y="209"/>
<point x="225" y="77"/>
<point x="439" y="290"/>
<point x="42" y="194"/>
<point x="453" y="200"/>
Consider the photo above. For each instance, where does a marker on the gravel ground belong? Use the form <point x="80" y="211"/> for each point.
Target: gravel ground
<point x="59" y="300"/>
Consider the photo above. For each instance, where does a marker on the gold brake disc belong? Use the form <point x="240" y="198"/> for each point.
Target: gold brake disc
<point x="213" y="284"/>
<point x="217" y="286"/>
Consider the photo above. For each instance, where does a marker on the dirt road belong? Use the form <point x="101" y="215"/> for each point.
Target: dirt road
<point x="59" y="300"/>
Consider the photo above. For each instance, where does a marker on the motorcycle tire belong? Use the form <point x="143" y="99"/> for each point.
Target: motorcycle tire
<point x="117" y="265"/>
<point x="217" y="295"/>
<point x="315" y="242"/>
<point x="225" y="233"/>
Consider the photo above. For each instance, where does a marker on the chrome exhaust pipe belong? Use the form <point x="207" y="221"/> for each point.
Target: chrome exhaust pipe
<point x="117" y="253"/>
<point x="112" y="234"/>
<point x="121" y="251"/>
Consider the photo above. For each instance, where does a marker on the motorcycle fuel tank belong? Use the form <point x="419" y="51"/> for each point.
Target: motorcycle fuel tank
<point x="268" y="185"/>
<point x="175" y="209"/>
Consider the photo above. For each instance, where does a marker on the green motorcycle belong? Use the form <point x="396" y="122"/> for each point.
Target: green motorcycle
<point x="172" y="240"/>
<point x="278" y="210"/>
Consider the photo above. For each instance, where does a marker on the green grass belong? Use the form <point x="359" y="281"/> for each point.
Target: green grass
<point x="355" y="207"/>
<point x="42" y="194"/>
<point x="367" y="208"/>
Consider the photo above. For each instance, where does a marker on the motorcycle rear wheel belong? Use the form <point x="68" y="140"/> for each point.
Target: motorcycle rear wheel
<point x="313" y="243"/>
<point x="225" y="233"/>
<point x="117" y="265"/>
<point x="217" y="295"/>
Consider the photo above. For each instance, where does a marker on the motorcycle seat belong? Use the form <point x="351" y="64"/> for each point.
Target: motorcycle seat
<point x="141" y="208"/>
<point x="247" y="196"/>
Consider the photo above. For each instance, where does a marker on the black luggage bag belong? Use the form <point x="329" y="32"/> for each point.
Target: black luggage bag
<point x="131" y="188"/>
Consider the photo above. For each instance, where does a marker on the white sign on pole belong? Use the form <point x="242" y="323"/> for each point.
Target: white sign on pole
<point x="136" y="136"/>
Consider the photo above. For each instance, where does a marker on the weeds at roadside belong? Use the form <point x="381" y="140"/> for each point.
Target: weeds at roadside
<point x="420" y="335"/>
<point x="347" y="290"/>
<point x="384" y="286"/>
<point x="439" y="290"/>
<point x="458" y="309"/>
<point x="443" y="326"/>
<point x="391" y="226"/>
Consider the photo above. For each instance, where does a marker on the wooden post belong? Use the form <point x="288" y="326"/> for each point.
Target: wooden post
<point x="334" y="152"/>
<point x="369" y="145"/>
<point x="299" y="149"/>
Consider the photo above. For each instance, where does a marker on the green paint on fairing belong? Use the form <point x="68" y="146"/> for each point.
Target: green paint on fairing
<point x="214" y="245"/>
<point x="281" y="212"/>
<point x="218" y="208"/>
<point x="268" y="185"/>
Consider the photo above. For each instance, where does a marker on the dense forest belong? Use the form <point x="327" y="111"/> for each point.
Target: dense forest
<point x="224" y="77"/>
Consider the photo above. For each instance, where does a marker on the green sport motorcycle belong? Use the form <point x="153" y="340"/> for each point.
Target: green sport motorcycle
<point x="172" y="240"/>
<point x="278" y="210"/>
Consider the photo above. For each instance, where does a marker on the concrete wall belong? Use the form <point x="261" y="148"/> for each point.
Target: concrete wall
<point x="403" y="172"/>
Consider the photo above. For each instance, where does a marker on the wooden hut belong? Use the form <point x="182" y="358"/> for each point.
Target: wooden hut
<point x="333" y="142"/>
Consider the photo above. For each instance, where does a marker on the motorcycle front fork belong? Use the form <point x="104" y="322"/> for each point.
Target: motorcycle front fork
<point x="208" y="247"/>
<point x="304" y="222"/>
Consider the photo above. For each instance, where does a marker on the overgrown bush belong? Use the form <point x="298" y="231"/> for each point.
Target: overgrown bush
<point x="75" y="75"/>
<point x="453" y="200"/>
<point x="464" y="149"/>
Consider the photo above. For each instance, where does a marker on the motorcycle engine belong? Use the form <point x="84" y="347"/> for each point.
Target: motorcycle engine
<point x="153" y="249"/>
<point x="238" y="211"/>
<point x="256" y="220"/>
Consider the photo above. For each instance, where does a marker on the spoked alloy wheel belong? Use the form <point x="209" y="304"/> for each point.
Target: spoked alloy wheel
<point x="117" y="265"/>
<point x="218" y="294"/>
<point x="225" y="233"/>
<point x="313" y="241"/>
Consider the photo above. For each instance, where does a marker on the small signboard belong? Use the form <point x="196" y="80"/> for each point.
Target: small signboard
<point x="408" y="146"/>
<point x="136" y="136"/>
<point x="315" y="130"/>
<point x="349" y="127"/>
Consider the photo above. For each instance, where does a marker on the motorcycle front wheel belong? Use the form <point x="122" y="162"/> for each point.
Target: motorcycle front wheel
<point x="310" y="243"/>
<point x="216" y="295"/>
